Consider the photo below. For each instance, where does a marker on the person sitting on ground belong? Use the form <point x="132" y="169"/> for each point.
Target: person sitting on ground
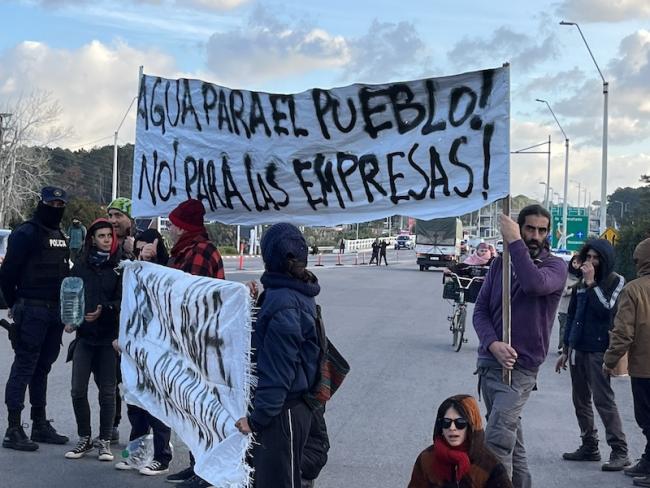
<point x="92" y="350"/>
<point x="458" y="457"/>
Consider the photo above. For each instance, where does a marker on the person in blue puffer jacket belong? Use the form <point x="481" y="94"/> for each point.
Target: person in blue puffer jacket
<point x="586" y="338"/>
<point x="286" y="351"/>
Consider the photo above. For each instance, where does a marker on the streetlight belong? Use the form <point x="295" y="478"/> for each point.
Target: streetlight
<point x="114" y="187"/>
<point x="527" y="150"/>
<point x="565" y="208"/>
<point x="603" y="182"/>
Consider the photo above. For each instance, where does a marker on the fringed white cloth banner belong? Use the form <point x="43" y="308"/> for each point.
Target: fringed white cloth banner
<point x="430" y="148"/>
<point x="185" y="344"/>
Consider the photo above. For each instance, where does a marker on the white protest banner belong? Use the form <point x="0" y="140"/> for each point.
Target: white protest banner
<point x="428" y="148"/>
<point x="185" y="344"/>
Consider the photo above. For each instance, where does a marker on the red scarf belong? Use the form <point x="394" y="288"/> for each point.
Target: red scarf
<point x="447" y="459"/>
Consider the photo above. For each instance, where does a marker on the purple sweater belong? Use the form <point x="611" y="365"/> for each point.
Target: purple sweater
<point x="536" y="288"/>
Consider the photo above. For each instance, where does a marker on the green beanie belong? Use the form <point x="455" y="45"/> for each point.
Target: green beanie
<point x="122" y="204"/>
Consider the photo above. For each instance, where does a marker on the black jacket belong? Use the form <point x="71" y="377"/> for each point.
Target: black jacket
<point x="592" y="309"/>
<point x="102" y="286"/>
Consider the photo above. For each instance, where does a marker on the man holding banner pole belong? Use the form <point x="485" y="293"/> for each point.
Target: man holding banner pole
<point x="537" y="282"/>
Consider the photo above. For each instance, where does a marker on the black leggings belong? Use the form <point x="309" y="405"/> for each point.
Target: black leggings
<point x="100" y="361"/>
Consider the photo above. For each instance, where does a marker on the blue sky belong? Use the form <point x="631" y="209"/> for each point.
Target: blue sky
<point x="87" y="53"/>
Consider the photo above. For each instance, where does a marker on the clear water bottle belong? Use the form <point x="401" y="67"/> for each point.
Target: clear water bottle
<point x="139" y="452"/>
<point x="72" y="301"/>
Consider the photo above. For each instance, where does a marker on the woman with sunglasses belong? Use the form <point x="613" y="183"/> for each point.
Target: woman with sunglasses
<point x="458" y="457"/>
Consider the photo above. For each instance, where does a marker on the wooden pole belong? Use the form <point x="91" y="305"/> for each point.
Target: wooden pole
<point x="505" y="298"/>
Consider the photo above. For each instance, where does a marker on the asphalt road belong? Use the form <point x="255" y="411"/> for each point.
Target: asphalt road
<point x="390" y="322"/>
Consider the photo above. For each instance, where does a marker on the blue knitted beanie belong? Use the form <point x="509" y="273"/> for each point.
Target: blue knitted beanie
<point x="282" y="241"/>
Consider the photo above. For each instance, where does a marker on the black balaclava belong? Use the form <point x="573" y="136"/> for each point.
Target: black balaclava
<point x="49" y="216"/>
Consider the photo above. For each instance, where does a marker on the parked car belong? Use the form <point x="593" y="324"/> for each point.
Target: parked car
<point x="403" y="242"/>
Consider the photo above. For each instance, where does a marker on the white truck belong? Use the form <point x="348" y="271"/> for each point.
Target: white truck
<point x="437" y="242"/>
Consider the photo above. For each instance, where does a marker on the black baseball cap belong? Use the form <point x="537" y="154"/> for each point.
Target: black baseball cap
<point x="51" y="193"/>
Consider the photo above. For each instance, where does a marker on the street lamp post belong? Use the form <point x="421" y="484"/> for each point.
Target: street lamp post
<point x="565" y="208"/>
<point x="114" y="187"/>
<point x="527" y="150"/>
<point x="603" y="182"/>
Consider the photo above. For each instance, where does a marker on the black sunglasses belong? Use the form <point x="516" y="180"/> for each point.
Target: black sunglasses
<point x="460" y="423"/>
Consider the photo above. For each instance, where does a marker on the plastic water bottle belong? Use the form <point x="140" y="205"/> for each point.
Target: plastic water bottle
<point x="72" y="301"/>
<point x="139" y="452"/>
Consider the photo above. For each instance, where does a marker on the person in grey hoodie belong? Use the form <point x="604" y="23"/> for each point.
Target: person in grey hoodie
<point x="538" y="280"/>
<point x="589" y="319"/>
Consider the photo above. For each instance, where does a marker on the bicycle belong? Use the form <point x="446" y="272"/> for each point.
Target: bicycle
<point x="462" y="290"/>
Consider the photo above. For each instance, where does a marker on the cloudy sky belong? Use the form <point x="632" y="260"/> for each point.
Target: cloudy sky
<point x="87" y="53"/>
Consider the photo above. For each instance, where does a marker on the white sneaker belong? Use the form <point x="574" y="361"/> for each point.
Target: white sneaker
<point x="123" y="466"/>
<point x="105" y="453"/>
<point x="83" y="446"/>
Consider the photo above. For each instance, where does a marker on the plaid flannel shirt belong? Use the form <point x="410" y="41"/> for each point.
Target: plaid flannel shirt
<point x="201" y="258"/>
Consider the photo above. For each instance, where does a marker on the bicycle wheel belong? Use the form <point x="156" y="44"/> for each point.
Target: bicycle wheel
<point x="460" y="329"/>
<point x="455" y="322"/>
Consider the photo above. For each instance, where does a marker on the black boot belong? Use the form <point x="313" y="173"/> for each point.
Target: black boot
<point x="15" y="438"/>
<point x="42" y="431"/>
<point x="586" y="452"/>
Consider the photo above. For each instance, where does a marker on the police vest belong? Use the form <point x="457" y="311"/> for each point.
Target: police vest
<point x="48" y="266"/>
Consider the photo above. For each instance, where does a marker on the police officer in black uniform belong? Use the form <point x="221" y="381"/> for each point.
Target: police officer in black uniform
<point x="30" y="277"/>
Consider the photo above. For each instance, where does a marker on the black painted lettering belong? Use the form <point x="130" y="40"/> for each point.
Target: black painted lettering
<point x="369" y="169"/>
<point x="187" y="105"/>
<point x="341" y="159"/>
<point x="190" y="169"/>
<point x="170" y="190"/>
<point x="257" y="115"/>
<point x="394" y="176"/>
<point x="157" y="108"/>
<point x="418" y="168"/>
<point x="224" y="116"/>
<point x="237" y="112"/>
<point x="453" y="159"/>
<point x="457" y="94"/>
<point x="270" y="176"/>
<point x="142" y="103"/>
<point x="337" y="121"/>
<point x="438" y="174"/>
<point x="209" y="99"/>
<point x="174" y="122"/>
<point x="248" y="166"/>
<point x="299" y="167"/>
<point x="230" y="187"/>
<point x="297" y="131"/>
<point x="431" y="126"/>
<point x="401" y="98"/>
<point x="146" y="179"/>
<point x="277" y="115"/>
<point x="366" y="95"/>
<point x="325" y="175"/>
<point x="321" y="108"/>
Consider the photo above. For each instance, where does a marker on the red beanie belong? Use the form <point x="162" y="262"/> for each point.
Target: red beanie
<point x="188" y="215"/>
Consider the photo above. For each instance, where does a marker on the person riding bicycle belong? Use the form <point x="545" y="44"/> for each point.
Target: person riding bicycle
<point x="477" y="264"/>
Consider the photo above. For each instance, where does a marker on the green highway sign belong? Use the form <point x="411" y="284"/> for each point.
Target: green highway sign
<point x="577" y="229"/>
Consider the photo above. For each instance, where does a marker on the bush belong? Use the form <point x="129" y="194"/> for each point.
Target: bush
<point x="228" y="250"/>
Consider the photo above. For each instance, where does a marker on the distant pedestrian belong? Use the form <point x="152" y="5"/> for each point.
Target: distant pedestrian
<point x="571" y="281"/>
<point x="537" y="282"/>
<point x="589" y="319"/>
<point x="631" y="335"/>
<point x="342" y="247"/>
<point x="76" y="237"/>
<point x="382" y="252"/>
<point x="458" y="456"/>
<point x="36" y="263"/>
<point x="375" y="252"/>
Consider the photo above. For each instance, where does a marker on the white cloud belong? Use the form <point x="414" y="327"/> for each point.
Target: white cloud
<point x="603" y="10"/>
<point x="386" y="52"/>
<point x="523" y="50"/>
<point x="217" y="5"/>
<point x="269" y="48"/>
<point x="94" y="84"/>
